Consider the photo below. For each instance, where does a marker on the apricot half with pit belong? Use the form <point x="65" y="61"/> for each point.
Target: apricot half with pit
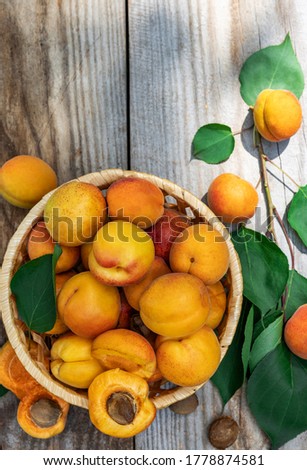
<point x="119" y="405"/>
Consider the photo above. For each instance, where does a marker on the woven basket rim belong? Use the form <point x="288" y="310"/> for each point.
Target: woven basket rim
<point x="103" y="179"/>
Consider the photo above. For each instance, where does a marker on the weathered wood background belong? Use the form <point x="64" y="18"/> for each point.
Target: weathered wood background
<point x="94" y="84"/>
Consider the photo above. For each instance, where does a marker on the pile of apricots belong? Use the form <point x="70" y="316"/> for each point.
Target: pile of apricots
<point x="125" y="254"/>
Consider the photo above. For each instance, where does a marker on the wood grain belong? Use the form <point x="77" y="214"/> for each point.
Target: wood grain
<point x="62" y="98"/>
<point x="184" y="67"/>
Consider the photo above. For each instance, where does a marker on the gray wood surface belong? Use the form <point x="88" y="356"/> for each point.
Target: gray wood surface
<point x="84" y="93"/>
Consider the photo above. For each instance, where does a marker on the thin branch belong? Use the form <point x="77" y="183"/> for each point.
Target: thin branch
<point x="270" y="206"/>
<point x="282" y="225"/>
<point x="281" y="170"/>
<point x="243" y="130"/>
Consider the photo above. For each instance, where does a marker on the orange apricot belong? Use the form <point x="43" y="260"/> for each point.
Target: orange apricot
<point x="40" y="243"/>
<point x="136" y="200"/>
<point x="277" y="114"/>
<point x="232" y="198"/>
<point x="25" y="179"/>
<point x="202" y="251"/>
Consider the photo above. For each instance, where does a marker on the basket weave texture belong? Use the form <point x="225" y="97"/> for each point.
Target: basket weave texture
<point x="181" y="200"/>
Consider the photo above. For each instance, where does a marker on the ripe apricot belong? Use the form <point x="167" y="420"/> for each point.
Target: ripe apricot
<point x="166" y="229"/>
<point x="134" y="291"/>
<point x="191" y="360"/>
<point x="122" y="253"/>
<point x="135" y="200"/>
<point x="87" y="306"/>
<point x="72" y="362"/>
<point x="175" y="305"/>
<point x="217" y="297"/>
<point x="295" y="332"/>
<point x="74" y="213"/>
<point x="25" y="179"/>
<point x="232" y="198"/>
<point x="40" y="243"/>
<point x="202" y="251"/>
<point x="59" y="327"/>
<point x="86" y="248"/>
<point x="126" y="350"/>
<point x="277" y="114"/>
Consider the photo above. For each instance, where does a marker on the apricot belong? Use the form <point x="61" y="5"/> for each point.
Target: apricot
<point x="189" y="361"/>
<point x="86" y="248"/>
<point x="126" y="350"/>
<point x="135" y="291"/>
<point x="87" y="306"/>
<point x="232" y="198"/>
<point x="40" y="243"/>
<point x="40" y="413"/>
<point x="295" y="332"/>
<point x="277" y="114"/>
<point x="125" y="311"/>
<point x="202" y="251"/>
<point x="122" y="253"/>
<point x="175" y="305"/>
<point x="119" y="405"/>
<point x="217" y="297"/>
<point x="72" y="362"/>
<point x="25" y="179"/>
<point x="166" y="229"/>
<point x="59" y="327"/>
<point x="135" y="200"/>
<point x="74" y="213"/>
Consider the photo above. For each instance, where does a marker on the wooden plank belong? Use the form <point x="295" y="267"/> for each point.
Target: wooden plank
<point x="63" y="98"/>
<point x="185" y="59"/>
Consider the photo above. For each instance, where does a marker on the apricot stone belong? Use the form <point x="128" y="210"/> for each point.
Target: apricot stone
<point x="135" y="200"/>
<point x="25" y="179"/>
<point x="295" y="332"/>
<point x="202" y="251"/>
<point x="277" y="114"/>
<point x="175" y="305"/>
<point x="232" y="198"/>
<point x="74" y="213"/>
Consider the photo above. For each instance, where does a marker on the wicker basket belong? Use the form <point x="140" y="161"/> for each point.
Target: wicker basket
<point x="176" y="197"/>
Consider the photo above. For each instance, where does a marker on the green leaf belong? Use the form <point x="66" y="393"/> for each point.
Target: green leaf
<point x="297" y="213"/>
<point x="277" y="395"/>
<point x="266" y="341"/>
<point x="34" y="291"/>
<point x="248" y="335"/>
<point x="274" y="67"/>
<point x="265" y="321"/>
<point x="3" y="390"/>
<point x="296" y="293"/>
<point x="213" y="143"/>
<point x="230" y="375"/>
<point x="264" y="267"/>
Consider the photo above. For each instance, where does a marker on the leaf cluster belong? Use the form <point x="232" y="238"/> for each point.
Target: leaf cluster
<point x="276" y="379"/>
